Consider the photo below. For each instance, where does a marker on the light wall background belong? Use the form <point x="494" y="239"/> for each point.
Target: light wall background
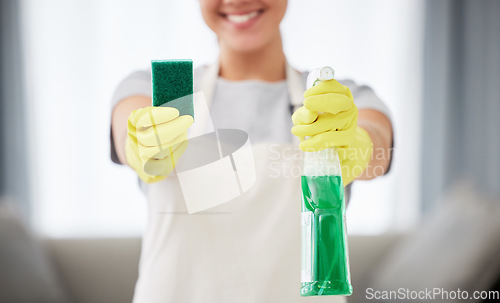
<point x="76" y="52"/>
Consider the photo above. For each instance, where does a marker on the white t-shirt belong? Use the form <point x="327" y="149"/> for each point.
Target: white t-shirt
<point x="248" y="249"/>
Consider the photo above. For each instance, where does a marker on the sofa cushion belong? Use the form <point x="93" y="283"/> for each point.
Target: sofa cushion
<point x="457" y="247"/>
<point x="99" y="269"/>
<point x="26" y="273"/>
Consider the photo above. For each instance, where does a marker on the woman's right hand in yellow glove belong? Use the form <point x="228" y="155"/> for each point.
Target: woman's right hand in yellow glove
<point x="157" y="137"/>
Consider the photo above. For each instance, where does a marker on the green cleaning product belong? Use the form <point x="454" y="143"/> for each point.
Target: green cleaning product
<point x="325" y="260"/>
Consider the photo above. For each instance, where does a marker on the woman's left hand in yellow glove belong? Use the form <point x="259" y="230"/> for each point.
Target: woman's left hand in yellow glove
<point x="329" y="119"/>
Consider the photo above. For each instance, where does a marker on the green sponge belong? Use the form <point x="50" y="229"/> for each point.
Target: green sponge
<point x="173" y="84"/>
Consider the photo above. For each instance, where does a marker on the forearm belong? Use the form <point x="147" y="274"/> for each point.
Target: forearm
<point x="379" y="127"/>
<point x="119" y="121"/>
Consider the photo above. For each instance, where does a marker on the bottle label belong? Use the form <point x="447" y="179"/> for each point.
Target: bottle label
<point x="306" y="260"/>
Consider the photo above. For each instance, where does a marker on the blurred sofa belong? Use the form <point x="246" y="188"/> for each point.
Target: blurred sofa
<point x="105" y="270"/>
<point x="457" y="246"/>
<point x="94" y="270"/>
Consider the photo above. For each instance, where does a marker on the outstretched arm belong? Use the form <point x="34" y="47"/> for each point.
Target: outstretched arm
<point x="119" y="120"/>
<point x="379" y="127"/>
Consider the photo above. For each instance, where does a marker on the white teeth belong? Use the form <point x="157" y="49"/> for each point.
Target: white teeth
<point x="242" y="18"/>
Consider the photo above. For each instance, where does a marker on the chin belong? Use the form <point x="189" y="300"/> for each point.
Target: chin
<point x="246" y="48"/>
<point x="245" y="44"/>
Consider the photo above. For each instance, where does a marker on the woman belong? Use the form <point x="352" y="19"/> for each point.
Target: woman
<point x="247" y="250"/>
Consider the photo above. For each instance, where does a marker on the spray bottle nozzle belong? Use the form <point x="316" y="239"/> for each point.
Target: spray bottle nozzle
<point x="320" y="74"/>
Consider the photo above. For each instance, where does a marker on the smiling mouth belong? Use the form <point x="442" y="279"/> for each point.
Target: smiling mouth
<point x="242" y="18"/>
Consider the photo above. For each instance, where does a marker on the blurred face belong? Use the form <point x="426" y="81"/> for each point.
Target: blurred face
<point x="244" y="25"/>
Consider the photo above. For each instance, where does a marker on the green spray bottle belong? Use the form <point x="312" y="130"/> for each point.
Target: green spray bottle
<point x="325" y="258"/>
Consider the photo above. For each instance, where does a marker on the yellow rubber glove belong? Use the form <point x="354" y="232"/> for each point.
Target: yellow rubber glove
<point x="329" y="118"/>
<point x="157" y="137"/>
